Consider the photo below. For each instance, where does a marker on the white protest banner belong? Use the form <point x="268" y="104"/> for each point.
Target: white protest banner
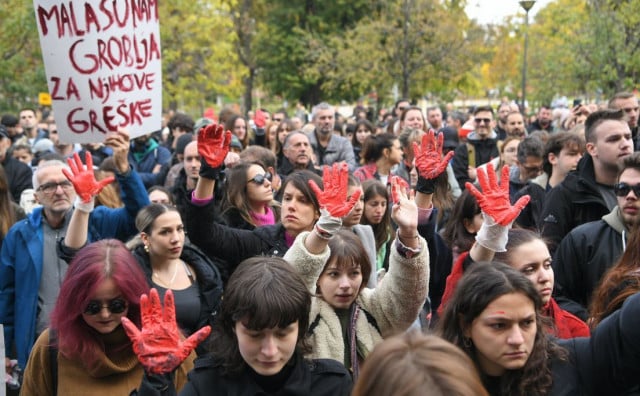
<point x="103" y="65"/>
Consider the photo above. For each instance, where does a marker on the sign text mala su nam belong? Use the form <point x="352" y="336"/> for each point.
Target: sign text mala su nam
<point x="103" y="64"/>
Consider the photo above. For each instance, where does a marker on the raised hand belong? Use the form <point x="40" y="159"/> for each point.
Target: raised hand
<point x="428" y="155"/>
<point x="213" y="147"/>
<point x="83" y="179"/>
<point x="159" y="344"/>
<point x="494" y="199"/>
<point x="333" y="199"/>
<point x="260" y="119"/>
<point x="404" y="211"/>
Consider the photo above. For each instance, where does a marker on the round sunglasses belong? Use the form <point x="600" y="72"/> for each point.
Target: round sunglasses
<point x="115" y="306"/>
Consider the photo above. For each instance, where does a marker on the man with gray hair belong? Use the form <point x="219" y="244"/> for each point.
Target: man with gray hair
<point x="329" y="148"/>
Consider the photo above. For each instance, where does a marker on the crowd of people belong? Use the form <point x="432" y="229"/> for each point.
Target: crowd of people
<point x="413" y="251"/>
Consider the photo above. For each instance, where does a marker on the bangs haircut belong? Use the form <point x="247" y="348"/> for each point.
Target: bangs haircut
<point x="348" y="252"/>
<point x="262" y="293"/>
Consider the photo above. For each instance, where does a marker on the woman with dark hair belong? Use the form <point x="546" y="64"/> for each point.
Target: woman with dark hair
<point x="92" y="354"/>
<point x="284" y="128"/>
<point x="259" y="341"/>
<point x="238" y="126"/>
<point x="248" y="201"/>
<point x="363" y="129"/>
<point x="495" y="317"/>
<point x="380" y="153"/>
<point x="416" y="364"/>
<point x="463" y="224"/>
<point x="377" y="215"/>
<point x="618" y="283"/>
<point x="521" y="249"/>
<point x="299" y="211"/>
<point x="347" y="318"/>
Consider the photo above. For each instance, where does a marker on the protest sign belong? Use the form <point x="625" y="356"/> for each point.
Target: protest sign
<point x="103" y="65"/>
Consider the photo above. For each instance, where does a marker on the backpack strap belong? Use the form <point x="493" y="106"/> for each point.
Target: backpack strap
<point x="471" y="153"/>
<point x="53" y="359"/>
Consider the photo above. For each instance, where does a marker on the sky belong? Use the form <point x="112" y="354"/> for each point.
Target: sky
<point x="494" y="11"/>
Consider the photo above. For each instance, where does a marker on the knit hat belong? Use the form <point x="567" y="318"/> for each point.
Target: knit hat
<point x="182" y="142"/>
<point x="201" y="122"/>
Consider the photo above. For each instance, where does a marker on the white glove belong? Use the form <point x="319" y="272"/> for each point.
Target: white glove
<point x="492" y="235"/>
<point x="327" y="225"/>
<point x="86" y="207"/>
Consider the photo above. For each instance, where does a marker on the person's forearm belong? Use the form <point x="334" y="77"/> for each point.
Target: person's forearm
<point x="77" y="233"/>
<point x="204" y="188"/>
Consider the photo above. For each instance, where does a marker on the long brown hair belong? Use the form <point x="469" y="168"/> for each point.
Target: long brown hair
<point x="620" y="282"/>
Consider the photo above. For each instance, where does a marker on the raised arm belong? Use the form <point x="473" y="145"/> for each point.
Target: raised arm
<point x="213" y="147"/>
<point x="87" y="188"/>
<point x="497" y="212"/>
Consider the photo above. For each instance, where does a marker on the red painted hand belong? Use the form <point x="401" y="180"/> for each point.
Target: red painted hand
<point x="159" y="345"/>
<point x="494" y="198"/>
<point x="83" y="179"/>
<point x="213" y="144"/>
<point x="333" y="199"/>
<point x="428" y="155"/>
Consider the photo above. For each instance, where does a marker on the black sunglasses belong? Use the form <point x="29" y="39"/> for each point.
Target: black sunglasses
<point x="622" y="189"/>
<point x="115" y="306"/>
<point x="482" y="120"/>
<point x="259" y="179"/>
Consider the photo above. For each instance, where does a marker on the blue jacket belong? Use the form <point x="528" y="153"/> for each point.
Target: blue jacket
<point x="143" y="163"/>
<point x="21" y="260"/>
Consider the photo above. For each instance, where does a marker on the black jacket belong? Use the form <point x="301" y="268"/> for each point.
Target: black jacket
<point x="485" y="151"/>
<point x="575" y="201"/>
<point x="207" y="276"/>
<point x="318" y="377"/>
<point x="229" y="244"/>
<point x="581" y="259"/>
<point x="18" y="176"/>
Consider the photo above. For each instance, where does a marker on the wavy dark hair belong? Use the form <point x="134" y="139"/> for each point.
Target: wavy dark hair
<point x="236" y="191"/>
<point x="263" y="293"/>
<point x="375" y="145"/>
<point x="455" y="233"/>
<point x="619" y="283"/>
<point x="482" y="284"/>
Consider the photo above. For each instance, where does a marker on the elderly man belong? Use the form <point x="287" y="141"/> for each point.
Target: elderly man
<point x="328" y="147"/>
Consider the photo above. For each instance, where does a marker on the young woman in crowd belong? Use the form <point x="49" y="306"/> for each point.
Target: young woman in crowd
<point x="271" y="135"/>
<point x="416" y="364"/>
<point x="619" y="283"/>
<point x="495" y="317"/>
<point x="521" y="249"/>
<point x="377" y="215"/>
<point x="347" y="319"/>
<point x="238" y="126"/>
<point x="10" y="212"/>
<point x="380" y="153"/>
<point x="412" y="117"/>
<point x="284" y="128"/>
<point x="299" y="210"/>
<point x="259" y="341"/>
<point x="168" y="262"/>
<point x="463" y="224"/>
<point x="86" y="349"/>
<point x="508" y="156"/>
<point x="248" y="202"/>
<point x="363" y="129"/>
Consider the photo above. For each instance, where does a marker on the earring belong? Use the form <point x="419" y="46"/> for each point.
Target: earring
<point x="146" y="248"/>
<point x="467" y="342"/>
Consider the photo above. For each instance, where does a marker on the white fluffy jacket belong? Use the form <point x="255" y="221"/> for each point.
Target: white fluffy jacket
<point x="394" y="304"/>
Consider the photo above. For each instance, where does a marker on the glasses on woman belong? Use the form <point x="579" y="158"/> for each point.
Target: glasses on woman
<point x="115" y="306"/>
<point x="259" y="179"/>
